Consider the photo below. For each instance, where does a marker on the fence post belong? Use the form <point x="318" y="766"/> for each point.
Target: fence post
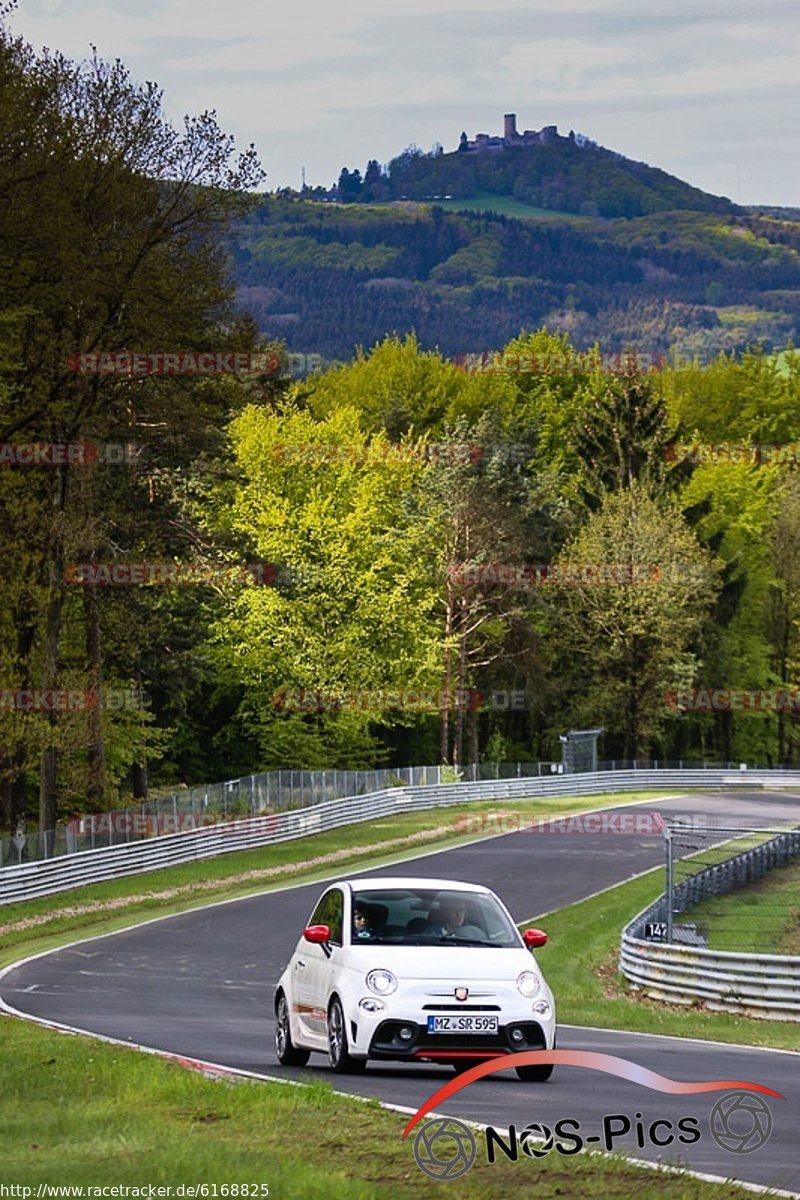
<point x="670" y="880"/>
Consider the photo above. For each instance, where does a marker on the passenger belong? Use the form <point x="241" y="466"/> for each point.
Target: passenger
<point x="361" y="922"/>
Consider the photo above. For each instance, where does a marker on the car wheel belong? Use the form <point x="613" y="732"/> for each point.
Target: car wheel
<point x="534" y="1074"/>
<point x="460" y="1065"/>
<point x="339" y="1056"/>
<point x="285" y="1050"/>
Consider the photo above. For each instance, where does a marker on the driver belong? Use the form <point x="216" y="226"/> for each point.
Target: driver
<point x="454" y="913"/>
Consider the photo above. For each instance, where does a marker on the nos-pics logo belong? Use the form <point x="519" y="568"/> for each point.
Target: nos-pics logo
<point x="446" y="1148"/>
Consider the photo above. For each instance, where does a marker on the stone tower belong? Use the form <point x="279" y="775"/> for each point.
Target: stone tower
<point x="510" y="127"/>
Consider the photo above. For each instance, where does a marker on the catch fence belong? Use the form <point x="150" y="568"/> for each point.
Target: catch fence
<point x="705" y="939"/>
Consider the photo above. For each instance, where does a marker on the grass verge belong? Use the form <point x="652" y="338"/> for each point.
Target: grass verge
<point x="79" y="1112"/>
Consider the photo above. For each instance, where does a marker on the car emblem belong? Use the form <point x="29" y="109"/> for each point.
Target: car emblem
<point x="462" y="993"/>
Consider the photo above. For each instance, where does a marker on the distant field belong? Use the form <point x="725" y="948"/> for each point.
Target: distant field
<point x="507" y="206"/>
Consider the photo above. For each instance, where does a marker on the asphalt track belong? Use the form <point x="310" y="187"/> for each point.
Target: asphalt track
<point x="200" y="984"/>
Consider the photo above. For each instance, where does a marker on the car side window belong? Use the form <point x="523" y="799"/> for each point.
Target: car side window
<point x="330" y="912"/>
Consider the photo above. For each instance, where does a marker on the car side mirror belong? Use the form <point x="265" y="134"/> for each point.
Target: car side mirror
<point x="319" y="934"/>
<point x="534" y="938"/>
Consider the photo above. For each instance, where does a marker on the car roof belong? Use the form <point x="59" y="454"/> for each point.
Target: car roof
<point x="384" y="882"/>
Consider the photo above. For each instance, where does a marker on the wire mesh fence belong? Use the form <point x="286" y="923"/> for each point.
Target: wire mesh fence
<point x="734" y="887"/>
<point x="250" y="796"/>
<point x="276" y="792"/>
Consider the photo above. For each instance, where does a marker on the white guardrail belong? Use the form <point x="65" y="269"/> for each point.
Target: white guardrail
<point x="753" y="985"/>
<point x="45" y="877"/>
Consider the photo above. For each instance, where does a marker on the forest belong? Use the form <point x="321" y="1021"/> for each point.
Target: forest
<point x="329" y="278"/>
<point x="207" y="575"/>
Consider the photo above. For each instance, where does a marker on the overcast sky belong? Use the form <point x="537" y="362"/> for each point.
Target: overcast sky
<point x="706" y="89"/>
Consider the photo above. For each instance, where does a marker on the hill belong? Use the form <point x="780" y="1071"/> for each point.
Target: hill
<point x="539" y="169"/>
<point x="327" y="277"/>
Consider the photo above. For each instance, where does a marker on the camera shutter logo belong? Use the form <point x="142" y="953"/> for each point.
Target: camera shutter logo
<point x="536" y="1140"/>
<point x="740" y="1122"/>
<point x="456" y="1145"/>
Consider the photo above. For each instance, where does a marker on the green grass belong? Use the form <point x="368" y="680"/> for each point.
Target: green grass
<point x="580" y="962"/>
<point x="80" y="1112"/>
<point x="763" y="917"/>
<point x="30" y="926"/>
<point x="507" y="206"/>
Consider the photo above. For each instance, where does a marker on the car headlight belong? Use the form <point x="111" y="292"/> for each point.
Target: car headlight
<point x="383" y="983"/>
<point x="528" y="983"/>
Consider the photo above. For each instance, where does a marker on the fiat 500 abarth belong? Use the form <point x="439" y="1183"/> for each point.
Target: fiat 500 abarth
<point x="428" y="970"/>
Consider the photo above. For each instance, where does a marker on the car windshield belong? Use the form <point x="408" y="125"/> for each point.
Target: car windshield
<point x="430" y="917"/>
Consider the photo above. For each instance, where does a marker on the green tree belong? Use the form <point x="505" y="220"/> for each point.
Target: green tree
<point x="127" y="256"/>
<point x="327" y="502"/>
<point x="631" y="643"/>
<point x="784" y="604"/>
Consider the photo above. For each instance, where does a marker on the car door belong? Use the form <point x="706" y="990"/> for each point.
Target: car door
<point x="315" y="965"/>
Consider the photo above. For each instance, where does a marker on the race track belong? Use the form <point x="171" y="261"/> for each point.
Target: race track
<point x="200" y="984"/>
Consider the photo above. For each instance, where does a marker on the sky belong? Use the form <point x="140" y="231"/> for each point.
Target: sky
<point x="706" y="90"/>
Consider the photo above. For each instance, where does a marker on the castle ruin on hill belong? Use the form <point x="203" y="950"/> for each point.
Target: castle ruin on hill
<point x="511" y="137"/>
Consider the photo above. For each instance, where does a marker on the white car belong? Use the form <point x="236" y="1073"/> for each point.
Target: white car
<point x="413" y="970"/>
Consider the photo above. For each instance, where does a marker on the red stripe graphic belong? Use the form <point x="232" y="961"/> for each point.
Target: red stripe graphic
<point x="594" y="1061"/>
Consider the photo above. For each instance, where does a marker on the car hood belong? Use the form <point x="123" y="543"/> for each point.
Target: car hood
<point x="445" y="963"/>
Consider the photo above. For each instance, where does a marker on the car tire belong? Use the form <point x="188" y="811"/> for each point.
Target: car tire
<point x="287" y="1054"/>
<point x="534" y="1074"/>
<point x="341" y="1060"/>
<point x="460" y="1065"/>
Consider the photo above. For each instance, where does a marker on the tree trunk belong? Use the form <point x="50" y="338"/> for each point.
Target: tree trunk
<point x="15" y="786"/>
<point x="139" y="770"/>
<point x="458" y="748"/>
<point x="473" y="734"/>
<point x="48" y="780"/>
<point x="444" y="745"/>
<point x="96" y="781"/>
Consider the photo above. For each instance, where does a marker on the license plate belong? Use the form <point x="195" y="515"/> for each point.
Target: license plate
<point x="462" y="1024"/>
